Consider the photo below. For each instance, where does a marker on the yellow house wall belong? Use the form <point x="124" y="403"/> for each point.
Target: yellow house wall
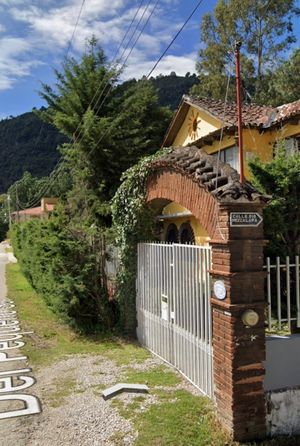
<point x="206" y="124"/>
<point x="256" y="143"/>
<point x="201" y="235"/>
<point x="286" y="131"/>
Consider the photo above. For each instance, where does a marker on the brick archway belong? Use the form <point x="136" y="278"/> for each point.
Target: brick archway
<point x="212" y="192"/>
<point x="174" y="186"/>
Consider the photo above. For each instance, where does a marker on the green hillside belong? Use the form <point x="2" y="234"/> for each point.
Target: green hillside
<point x="172" y="87"/>
<point x="28" y="144"/>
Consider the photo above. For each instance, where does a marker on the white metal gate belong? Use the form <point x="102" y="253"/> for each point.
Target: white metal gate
<point x="173" y="308"/>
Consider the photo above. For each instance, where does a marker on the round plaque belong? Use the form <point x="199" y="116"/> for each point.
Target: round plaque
<point x="250" y="318"/>
<point x="219" y="289"/>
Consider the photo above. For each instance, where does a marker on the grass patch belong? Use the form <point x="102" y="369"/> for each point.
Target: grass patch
<point x="178" y="419"/>
<point x="157" y="376"/>
<point x="53" y="340"/>
<point x="63" y="388"/>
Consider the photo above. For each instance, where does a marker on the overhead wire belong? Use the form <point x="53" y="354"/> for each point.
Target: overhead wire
<point x="113" y="68"/>
<point x="35" y="199"/>
<point x="65" y="57"/>
<point x="156" y="63"/>
<point x="160" y="58"/>
<point x="175" y="37"/>
<point x="75" y="28"/>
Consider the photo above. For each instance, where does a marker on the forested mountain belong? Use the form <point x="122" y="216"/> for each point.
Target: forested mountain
<point x="172" y="87"/>
<point x="26" y="144"/>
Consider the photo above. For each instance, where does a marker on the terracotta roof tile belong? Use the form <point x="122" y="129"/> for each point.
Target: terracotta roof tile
<point x="34" y="211"/>
<point x="252" y="114"/>
<point x="31" y="211"/>
<point x="286" y="111"/>
<point x="217" y="177"/>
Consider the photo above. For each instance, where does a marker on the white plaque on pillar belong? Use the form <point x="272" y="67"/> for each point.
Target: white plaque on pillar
<point x="219" y="289"/>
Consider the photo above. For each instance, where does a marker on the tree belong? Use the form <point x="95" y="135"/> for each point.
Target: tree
<point x="280" y="179"/>
<point x="285" y="83"/>
<point x="113" y="126"/>
<point x="27" y="144"/>
<point x="265" y="29"/>
<point x="4" y="217"/>
<point x="29" y="190"/>
<point x="64" y="256"/>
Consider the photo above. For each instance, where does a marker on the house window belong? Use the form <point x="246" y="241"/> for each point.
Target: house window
<point x="231" y="156"/>
<point x="292" y="145"/>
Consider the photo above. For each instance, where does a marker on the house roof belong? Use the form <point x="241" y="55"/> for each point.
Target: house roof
<point x="34" y="211"/>
<point x="219" y="178"/>
<point x="31" y="211"/>
<point x="252" y="115"/>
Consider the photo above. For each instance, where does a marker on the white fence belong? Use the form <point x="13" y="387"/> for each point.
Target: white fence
<point x="173" y="308"/>
<point x="283" y="293"/>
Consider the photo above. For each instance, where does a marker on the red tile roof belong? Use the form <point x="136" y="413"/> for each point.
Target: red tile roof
<point x="31" y="211"/>
<point x="34" y="211"/>
<point x="252" y="114"/>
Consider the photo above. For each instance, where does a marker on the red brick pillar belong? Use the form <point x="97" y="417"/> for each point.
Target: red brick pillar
<point x="238" y="348"/>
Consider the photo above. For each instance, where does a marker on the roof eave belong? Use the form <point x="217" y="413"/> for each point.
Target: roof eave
<point x="176" y="123"/>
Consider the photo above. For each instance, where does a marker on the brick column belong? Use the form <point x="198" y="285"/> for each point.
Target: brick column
<point x="239" y="350"/>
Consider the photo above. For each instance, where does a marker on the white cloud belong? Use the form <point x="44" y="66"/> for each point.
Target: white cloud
<point x="47" y="30"/>
<point x="180" y="64"/>
<point x="12" y="64"/>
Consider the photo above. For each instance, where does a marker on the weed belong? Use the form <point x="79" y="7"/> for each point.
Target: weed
<point x="64" y="387"/>
<point x="157" y="376"/>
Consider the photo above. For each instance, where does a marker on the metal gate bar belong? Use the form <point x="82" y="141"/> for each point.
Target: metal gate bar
<point x="173" y="308"/>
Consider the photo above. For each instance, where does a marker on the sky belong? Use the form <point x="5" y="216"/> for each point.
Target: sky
<point x="35" y="37"/>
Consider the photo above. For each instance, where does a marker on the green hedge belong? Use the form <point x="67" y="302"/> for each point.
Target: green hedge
<point x="64" y="267"/>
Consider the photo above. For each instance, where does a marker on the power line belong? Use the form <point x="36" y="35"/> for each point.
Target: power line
<point x="128" y="55"/>
<point x="133" y="46"/>
<point x="44" y="189"/>
<point x="66" y="56"/>
<point x="120" y="69"/>
<point x="35" y="200"/>
<point x="175" y="37"/>
<point x="75" y="28"/>
<point x="159" y="59"/>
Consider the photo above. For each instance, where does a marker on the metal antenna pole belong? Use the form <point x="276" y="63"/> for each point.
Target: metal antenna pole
<point x="239" y="109"/>
<point x="17" y="202"/>
<point x="9" y="214"/>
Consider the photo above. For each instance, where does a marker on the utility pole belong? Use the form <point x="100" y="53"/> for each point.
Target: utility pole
<point x="239" y="108"/>
<point x="9" y="214"/>
<point x="17" y="202"/>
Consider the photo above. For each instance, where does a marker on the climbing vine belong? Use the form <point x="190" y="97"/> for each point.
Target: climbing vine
<point x="133" y="222"/>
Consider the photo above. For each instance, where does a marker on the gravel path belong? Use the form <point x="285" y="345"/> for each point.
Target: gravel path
<point x="74" y="413"/>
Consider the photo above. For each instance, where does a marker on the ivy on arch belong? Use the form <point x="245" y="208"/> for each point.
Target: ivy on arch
<point x="133" y="222"/>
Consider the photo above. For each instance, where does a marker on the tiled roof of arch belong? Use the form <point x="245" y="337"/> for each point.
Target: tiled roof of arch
<point x="217" y="177"/>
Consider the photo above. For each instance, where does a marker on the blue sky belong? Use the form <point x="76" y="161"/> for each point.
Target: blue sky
<point x="34" y="37"/>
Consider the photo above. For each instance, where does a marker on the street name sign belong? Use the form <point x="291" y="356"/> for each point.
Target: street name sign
<point x="245" y="219"/>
